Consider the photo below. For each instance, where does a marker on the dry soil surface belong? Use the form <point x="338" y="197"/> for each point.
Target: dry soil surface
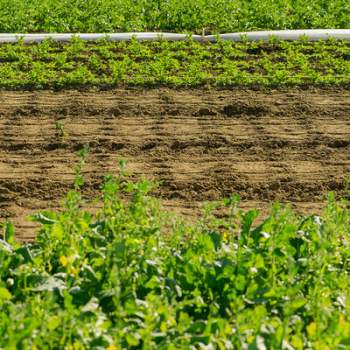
<point x="291" y="146"/>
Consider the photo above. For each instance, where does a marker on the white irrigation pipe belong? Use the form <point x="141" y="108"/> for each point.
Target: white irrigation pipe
<point x="311" y="34"/>
<point x="30" y="38"/>
<point x="292" y="35"/>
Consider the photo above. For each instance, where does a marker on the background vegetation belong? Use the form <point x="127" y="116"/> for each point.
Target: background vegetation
<point x="212" y="16"/>
<point x="183" y="64"/>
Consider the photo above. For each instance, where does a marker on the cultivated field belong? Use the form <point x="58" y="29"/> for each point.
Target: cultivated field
<point x="225" y="64"/>
<point x="107" y="260"/>
<point x="171" y="15"/>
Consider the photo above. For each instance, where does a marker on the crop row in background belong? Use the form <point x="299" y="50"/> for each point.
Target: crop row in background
<point x="106" y="64"/>
<point x="196" y="16"/>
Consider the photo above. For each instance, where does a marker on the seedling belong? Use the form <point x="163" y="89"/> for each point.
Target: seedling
<point x="60" y="130"/>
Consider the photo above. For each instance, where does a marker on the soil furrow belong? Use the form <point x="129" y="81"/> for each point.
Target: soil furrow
<point x="291" y="146"/>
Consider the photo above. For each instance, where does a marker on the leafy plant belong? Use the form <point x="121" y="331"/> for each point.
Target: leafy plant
<point x="109" y="64"/>
<point x="17" y="16"/>
<point x="60" y="131"/>
<point x="131" y="276"/>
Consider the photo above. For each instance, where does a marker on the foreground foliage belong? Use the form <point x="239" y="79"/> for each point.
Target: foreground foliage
<point x="171" y="15"/>
<point x="185" y="64"/>
<point x="130" y="277"/>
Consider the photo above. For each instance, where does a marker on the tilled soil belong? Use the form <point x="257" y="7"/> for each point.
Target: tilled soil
<point x="291" y="146"/>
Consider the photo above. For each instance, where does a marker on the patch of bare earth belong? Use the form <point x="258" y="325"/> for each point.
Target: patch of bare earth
<point x="290" y="146"/>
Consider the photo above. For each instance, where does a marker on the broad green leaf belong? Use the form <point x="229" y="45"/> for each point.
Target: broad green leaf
<point x="9" y="232"/>
<point x="133" y="339"/>
<point x="5" y="294"/>
<point x="53" y="323"/>
<point x="311" y="329"/>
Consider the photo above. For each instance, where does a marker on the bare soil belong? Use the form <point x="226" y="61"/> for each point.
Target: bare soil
<point x="291" y="146"/>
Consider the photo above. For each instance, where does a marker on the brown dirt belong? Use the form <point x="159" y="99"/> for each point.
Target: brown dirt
<point x="290" y="146"/>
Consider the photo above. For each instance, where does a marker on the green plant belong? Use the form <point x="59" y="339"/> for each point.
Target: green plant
<point x="131" y="276"/>
<point x="109" y="64"/>
<point x="17" y="16"/>
<point x="60" y="131"/>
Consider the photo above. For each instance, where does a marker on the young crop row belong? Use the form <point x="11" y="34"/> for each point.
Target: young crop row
<point x="131" y="277"/>
<point x="211" y="16"/>
<point x="185" y="64"/>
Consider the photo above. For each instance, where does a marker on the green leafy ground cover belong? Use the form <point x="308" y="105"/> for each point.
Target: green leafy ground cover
<point x="131" y="277"/>
<point x="107" y="64"/>
<point x="171" y="15"/>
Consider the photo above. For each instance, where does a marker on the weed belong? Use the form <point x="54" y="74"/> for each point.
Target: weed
<point x="60" y="131"/>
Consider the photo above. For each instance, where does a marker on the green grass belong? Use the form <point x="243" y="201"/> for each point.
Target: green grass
<point x="131" y="277"/>
<point x="170" y="15"/>
<point x="179" y="64"/>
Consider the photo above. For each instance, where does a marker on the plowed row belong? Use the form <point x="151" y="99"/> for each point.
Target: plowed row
<point x="290" y="146"/>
